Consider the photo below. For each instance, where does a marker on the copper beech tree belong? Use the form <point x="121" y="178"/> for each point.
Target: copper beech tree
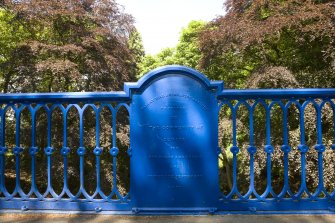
<point x="273" y="44"/>
<point x="61" y="46"/>
<point x="68" y="46"/>
<point x="297" y="34"/>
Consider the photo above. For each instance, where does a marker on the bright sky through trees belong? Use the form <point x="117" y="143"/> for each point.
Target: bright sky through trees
<point x="160" y="21"/>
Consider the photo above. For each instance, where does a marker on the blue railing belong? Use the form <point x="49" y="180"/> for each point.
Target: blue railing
<point x="67" y="198"/>
<point x="267" y="103"/>
<point x="277" y="102"/>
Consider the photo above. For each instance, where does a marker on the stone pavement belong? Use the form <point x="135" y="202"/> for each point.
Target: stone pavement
<point x="83" y="218"/>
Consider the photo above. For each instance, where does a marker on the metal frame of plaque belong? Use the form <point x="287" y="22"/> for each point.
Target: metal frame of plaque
<point x="173" y="137"/>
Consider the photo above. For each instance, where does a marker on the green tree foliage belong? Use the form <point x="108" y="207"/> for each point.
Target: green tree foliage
<point x="187" y="49"/>
<point x="65" y="46"/>
<point x="60" y="45"/>
<point x="255" y="34"/>
<point x="136" y="46"/>
<point x="150" y="62"/>
<point x="273" y="44"/>
<point x="186" y="52"/>
<point x="12" y="33"/>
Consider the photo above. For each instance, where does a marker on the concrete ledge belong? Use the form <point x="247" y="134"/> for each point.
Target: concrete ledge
<point x="83" y="218"/>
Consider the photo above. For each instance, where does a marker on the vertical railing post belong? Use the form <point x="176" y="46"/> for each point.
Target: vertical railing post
<point x="48" y="150"/>
<point x="33" y="150"/>
<point x="3" y="150"/>
<point x="234" y="150"/>
<point x="303" y="148"/>
<point x="65" y="151"/>
<point x="81" y="151"/>
<point x="17" y="150"/>
<point x="114" y="151"/>
<point x="268" y="149"/>
<point x="286" y="149"/>
<point x="320" y="148"/>
<point x="252" y="149"/>
<point x="97" y="152"/>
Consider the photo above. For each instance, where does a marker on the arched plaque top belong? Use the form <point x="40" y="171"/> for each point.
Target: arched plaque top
<point x="164" y="71"/>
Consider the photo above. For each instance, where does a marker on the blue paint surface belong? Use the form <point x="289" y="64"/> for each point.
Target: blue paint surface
<point x="174" y="144"/>
<point x="173" y="148"/>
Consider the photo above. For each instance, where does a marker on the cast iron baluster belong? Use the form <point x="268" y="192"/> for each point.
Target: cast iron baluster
<point x="3" y="150"/>
<point x="231" y="107"/>
<point x="65" y="151"/>
<point x="97" y="152"/>
<point x="48" y="150"/>
<point x="251" y="150"/>
<point x="268" y="148"/>
<point x="126" y="106"/>
<point x="17" y="150"/>
<point x="286" y="149"/>
<point x="33" y="150"/>
<point x="303" y="148"/>
<point x="114" y="152"/>
<point x="81" y="151"/>
<point x="234" y="149"/>
<point x="320" y="147"/>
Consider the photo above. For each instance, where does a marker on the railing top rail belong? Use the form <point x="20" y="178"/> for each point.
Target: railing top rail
<point x="64" y="97"/>
<point x="278" y="93"/>
<point x="123" y="96"/>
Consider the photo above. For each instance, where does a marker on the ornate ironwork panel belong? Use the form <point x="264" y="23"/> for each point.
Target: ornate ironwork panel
<point x="62" y="151"/>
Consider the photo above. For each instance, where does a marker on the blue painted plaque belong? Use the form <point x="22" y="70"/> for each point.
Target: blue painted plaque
<point x="174" y="130"/>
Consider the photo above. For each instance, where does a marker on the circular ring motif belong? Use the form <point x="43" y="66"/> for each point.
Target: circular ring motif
<point x="114" y="151"/>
